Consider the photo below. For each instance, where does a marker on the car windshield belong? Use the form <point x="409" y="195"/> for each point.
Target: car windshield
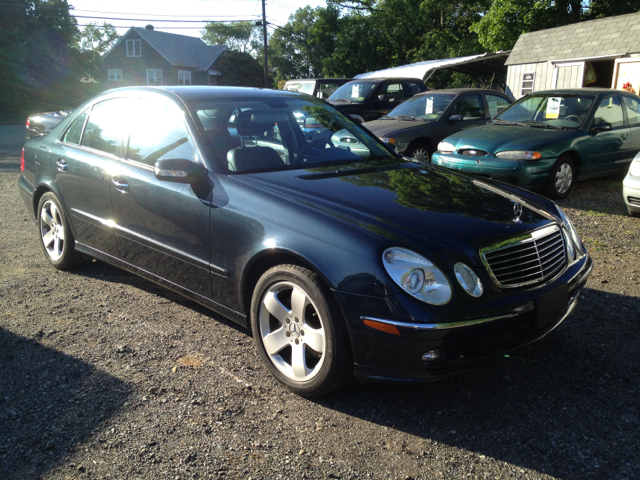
<point x="552" y="110"/>
<point x="281" y="133"/>
<point x="424" y="107"/>
<point x="304" y="87"/>
<point x="355" y="92"/>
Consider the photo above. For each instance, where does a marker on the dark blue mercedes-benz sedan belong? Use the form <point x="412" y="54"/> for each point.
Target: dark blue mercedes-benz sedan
<point x="341" y="262"/>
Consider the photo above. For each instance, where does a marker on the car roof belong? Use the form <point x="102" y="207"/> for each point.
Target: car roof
<point x="580" y="91"/>
<point x="383" y="79"/>
<point x="194" y="92"/>
<point x="457" y="91"/>
<point x="320" y="80"/>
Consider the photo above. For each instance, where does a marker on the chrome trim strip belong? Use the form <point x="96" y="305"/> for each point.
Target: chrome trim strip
<point x="417" y="327"/>
<point x="197" y="261"/>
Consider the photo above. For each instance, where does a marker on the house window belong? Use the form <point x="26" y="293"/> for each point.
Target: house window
<point x="133" y="48"/>
<point x="527" y="83"/>
<point x="115" y="75"/>
<point x="184" y="77"/>
<point x="154" y="77"/>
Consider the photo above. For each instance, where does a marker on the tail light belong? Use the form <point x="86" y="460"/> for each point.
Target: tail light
<point x="22" y="157"/>
<point x="28" y="123"/>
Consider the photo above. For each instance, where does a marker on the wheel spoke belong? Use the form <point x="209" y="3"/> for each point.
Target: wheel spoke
<point x="61" y="234"/>
<point x="54" y="213"/>
<point x="48" y="239"/>
<point x="46" y="218"/>
<point x="275" y="307"/>
<point x="314" y="338"/>
<point x="299" y="302"/>
<point x="298" y="363"/>
<point x="56" y="246"/>
<point x="275" y="341"/>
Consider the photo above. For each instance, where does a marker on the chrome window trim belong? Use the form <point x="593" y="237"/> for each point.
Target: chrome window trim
<point x="522" y="240"/>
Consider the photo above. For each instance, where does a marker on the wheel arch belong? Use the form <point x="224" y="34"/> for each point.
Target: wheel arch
<point x="575" y="156"/>
<point x="416" y="141"/>
<point x="265" y="260"/>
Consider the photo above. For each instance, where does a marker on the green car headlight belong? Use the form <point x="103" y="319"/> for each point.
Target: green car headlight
<point x="519" y="155"/>
<point x="417" y="275"/>
<point x="446" y="147"/>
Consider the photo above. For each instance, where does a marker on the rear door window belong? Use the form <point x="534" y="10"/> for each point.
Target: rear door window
<point x="72" y="135"/>
<point x="107" y="126"/>
<point x="633" y="110"/>
<point x="610" y="112"/>
<point x="469" y="107"/>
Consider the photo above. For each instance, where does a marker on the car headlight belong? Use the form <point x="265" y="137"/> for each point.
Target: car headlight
<point x="446" y="147"/>
<point x="519" y="155"/>
<point x="417" y="276"/>
<point x="468" y="280"/>
<point x="634" y="169"/>
<point x="390" y="140"/>
<point x="573" y="233"/>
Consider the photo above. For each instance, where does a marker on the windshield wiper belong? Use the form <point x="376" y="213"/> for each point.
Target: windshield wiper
<point x="508" y="122"/>
<point x="409" y="117"/>
<point x="537" y="124"/>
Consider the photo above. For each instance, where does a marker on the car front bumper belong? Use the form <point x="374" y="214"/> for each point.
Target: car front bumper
<point x="463" y="340"/>
<point x="631" y="193"/>
<point x="529" y="174"/>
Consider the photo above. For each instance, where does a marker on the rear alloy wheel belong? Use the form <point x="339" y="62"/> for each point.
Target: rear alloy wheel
<point x="561" y="178"/>
<point x="299" y="331"/>
<point x="55" y="235"/>
<point x="420" y="151"/>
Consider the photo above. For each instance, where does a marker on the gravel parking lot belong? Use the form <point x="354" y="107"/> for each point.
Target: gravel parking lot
<point x="105" y="375"/>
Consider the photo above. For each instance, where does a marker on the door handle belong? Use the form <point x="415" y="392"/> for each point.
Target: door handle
<point x="120" y="184"/>
<point x="62" y="165"/>
<point x="623" y="136"/>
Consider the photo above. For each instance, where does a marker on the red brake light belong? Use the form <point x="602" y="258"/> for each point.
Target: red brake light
<point x="28" y="123"/>
<point x="22" y="158"/>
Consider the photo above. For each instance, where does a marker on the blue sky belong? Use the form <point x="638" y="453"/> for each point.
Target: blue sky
<point x="165" y="15"/>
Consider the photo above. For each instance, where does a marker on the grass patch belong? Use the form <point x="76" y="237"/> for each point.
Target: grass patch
<point x="596" y="244"/>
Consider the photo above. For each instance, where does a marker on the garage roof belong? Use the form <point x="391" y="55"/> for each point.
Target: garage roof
<point x="595" y="38"/>
<point x="485" y="64"/>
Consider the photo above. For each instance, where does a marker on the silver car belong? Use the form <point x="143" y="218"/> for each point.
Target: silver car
<point x="631" y="187"/>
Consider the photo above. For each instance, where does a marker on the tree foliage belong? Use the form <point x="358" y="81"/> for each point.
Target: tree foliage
<point x="240" y="69"/>
<point x="238" y="36"/>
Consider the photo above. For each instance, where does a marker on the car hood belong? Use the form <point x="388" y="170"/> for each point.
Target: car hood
<point x="497" y="138"/>
<point x="442" y="213"/>
<point x="384" y="128"/>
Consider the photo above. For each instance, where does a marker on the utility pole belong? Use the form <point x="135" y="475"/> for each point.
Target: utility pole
<point x="264" y="34"/>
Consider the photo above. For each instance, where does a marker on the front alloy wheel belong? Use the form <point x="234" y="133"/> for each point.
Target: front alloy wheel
<point x="561" y="178"/>
<point x="299" y="331"/>
<point x="420" y="152"/>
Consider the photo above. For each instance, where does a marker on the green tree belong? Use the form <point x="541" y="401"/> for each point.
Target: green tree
<point x="240" y="69"/>
<point x="94" y="41"/>
<point x="36" y="55"/>
<point x="238" y="36"/>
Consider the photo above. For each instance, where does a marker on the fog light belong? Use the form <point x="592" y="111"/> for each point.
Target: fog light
<point x="431" y="355"/>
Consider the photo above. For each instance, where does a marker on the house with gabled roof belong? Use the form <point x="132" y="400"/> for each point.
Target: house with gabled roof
<point x="596" y="53"/>
<point x="143" y="56"/>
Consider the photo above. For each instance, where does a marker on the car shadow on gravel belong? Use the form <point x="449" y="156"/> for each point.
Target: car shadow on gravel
<point x="108" y="273"/>
<point x="49" y="404"/>
<point x="565" y="406"/>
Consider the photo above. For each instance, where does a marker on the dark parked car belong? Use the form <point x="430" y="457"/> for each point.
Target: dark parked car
<point x="373" y="97"/>
<point x="547" y="140"/>
<point x="318" y="87"/>
<point x="340" y="264"/>
<point x="416" y="126"/>
<point x="40" y="124"/>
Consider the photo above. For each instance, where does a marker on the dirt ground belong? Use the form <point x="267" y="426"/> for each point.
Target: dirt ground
<point x="104" y="375"/>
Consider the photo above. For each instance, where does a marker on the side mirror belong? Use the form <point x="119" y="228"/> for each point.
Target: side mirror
<point x="357" y="118"/>
<point x="382" y="98"/>
<point x="455" y="118"/>
<point x="179" y="170"/>
<point x="601" y="127"/>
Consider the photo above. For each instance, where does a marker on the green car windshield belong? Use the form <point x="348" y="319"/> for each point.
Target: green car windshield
<point x="553" y="110"/>
<point x="424" y="107"/>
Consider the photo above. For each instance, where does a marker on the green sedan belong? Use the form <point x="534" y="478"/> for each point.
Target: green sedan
<point x="547" y="140"/>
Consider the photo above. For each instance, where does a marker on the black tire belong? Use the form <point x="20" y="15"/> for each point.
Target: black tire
<point x="55" y="235"/>
<point x="420" y="150"/>
<point x="633" y="214"/>
<point x="561" y="178"/>
<point x="287" y="300"/>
